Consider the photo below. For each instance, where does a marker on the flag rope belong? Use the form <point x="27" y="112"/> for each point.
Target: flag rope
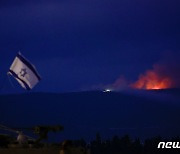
<point x="10" y="81"/>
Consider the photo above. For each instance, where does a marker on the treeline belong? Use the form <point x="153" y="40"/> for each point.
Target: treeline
<point x="114" y="145"/>
<point x="126" y="145"/>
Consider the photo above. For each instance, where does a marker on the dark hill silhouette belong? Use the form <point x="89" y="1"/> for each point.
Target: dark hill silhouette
<point x="139" y="114"/>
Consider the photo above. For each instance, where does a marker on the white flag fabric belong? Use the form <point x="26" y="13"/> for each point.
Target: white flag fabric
<point x="24" y="72"/>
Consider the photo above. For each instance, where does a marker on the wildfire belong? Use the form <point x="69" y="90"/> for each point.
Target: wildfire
<point x="152" y="80"/>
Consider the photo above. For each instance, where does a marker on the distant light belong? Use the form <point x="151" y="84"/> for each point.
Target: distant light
<point x="107" y="90"/>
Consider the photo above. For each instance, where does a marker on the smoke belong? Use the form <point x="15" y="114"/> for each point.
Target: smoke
<point x="152" y="79"/>
<point x="165" y="74"/>
<point x="120" y="84"/>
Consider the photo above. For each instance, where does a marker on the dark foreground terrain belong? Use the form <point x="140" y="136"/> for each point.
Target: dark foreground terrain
<point x="139" y="114"/>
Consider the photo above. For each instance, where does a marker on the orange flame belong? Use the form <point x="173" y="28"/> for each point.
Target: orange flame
<point x="152" y="80"/>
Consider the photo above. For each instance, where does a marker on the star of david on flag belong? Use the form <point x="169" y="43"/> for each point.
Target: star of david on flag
<point x="24" y="72"/>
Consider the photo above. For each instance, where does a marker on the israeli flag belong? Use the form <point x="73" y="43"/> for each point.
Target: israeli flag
<point x="24" y="72"/>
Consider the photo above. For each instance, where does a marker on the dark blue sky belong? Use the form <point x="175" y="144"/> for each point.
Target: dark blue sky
<point x="78" y="44"/>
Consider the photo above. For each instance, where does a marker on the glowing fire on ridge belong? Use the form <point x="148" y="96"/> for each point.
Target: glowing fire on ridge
<point x="152" y="80"/>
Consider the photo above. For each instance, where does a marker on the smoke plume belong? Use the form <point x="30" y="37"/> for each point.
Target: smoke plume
<point x="165" y="74"/>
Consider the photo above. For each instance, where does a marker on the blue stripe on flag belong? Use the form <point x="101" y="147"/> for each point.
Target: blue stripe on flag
<point x="16" y="76"/>
<point x="28" y="64"/>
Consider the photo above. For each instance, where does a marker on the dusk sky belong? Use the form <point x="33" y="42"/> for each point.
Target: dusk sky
<point x="78" y="45"/>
